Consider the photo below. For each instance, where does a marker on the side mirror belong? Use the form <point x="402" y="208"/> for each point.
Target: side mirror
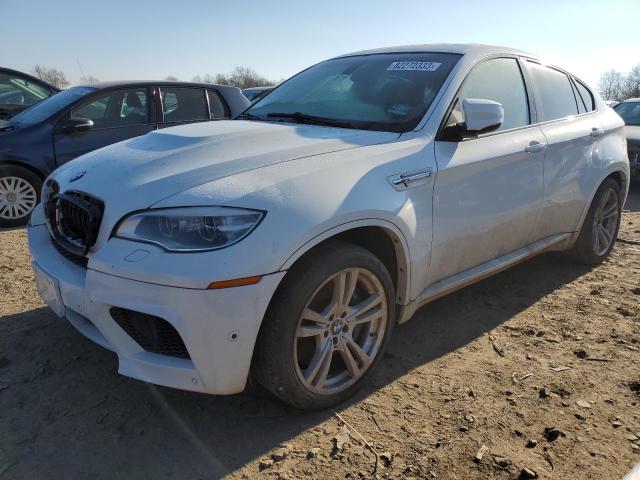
<point x="78" y="124"/>
<point x="480" y="116"/>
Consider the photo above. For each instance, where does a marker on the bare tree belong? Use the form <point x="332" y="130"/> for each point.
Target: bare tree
<point x="55" y="77"/>
<point x="631" y="87"/>
<point x="221" y="79"/>
<point x="611" y="85"/>
<point x="89" y="80"/>
<point x="245" y="77"/>
<point x="206" y="78"/>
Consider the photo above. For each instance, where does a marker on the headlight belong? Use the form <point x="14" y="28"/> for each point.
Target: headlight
<point x="190" y="229"/>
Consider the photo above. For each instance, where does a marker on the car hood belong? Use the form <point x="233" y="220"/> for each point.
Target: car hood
<point x="137" y="173"/>
<point x="632" y="132"/>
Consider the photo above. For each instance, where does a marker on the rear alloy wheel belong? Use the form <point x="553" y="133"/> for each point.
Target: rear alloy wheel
<point x="600" y="227"/>
<point x="19" y="194"/>
<point x="326" y="327"/>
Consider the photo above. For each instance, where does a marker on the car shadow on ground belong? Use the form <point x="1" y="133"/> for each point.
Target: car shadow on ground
<point x="633" y="200"/>
<point x="67" y="414"/>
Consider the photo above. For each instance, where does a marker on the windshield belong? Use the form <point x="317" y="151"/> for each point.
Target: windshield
<point x="630" y="112"/>
<point x="43" y="110"/>
<point x="387" y="92"/>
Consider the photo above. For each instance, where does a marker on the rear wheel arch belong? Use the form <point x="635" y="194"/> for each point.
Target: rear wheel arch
<point x="620" y="177"/>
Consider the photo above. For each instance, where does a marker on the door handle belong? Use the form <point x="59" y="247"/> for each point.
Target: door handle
<point x="402" y="181"/>
<point x="534" y="147"/>
<point x="596" y="132"/>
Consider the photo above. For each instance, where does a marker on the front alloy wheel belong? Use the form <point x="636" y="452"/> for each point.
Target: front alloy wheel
<point x="17" y="198"/>
<point x="340" y="331"/>
<point x="326" y="327"/>
<point x="19" y="194"/>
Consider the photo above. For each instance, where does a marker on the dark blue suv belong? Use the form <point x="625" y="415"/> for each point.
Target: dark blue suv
<point x="85" y="118"/>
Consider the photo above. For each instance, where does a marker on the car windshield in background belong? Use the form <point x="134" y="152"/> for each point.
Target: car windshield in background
<point x="387" y="92"/>
<point x="630" y="112"/>
<point x="43" y="110"/>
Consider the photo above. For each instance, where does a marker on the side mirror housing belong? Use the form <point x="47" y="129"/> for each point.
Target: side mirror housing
<point x="78" y="124"/>
<point x="480" y="116"/>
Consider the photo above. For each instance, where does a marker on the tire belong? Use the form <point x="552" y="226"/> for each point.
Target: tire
<point x="284" y="358"/>
<point x="590" y="248"/>
<point x="19" y="194"/>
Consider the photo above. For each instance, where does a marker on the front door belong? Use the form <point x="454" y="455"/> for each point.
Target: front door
<point x="117" y="115"/>
<point x="488" y="190"/>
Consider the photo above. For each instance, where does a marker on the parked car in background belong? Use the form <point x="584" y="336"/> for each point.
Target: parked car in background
<point x="254" y="93"/>
<point x="19" y="91"/>
<point x="629" y="110"/>
<point x="292" y="239"/>
<point x="85" y="118"/>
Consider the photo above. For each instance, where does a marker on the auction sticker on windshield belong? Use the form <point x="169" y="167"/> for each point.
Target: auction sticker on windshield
<point x="414" y="66"/>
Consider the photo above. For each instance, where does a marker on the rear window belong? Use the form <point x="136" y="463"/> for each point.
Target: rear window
<point x="553" y="93"/>
<point x="183" y="104"/>
<point x="217" y="107"/>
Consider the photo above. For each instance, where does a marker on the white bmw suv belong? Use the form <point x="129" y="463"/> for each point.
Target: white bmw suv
<point x="289" y="242"/>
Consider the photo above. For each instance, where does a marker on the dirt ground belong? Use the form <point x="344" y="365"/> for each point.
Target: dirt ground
<point x="540" y="364"/>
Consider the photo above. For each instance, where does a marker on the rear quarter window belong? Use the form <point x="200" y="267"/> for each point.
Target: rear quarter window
<point x="585" y="95"/>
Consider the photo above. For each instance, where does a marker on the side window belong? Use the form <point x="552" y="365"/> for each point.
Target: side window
<point x="21" y="91"/>
<point x="182" y="104"/>
<point x="217" y="107"/>
<point x="499" y="80"/>
<point x="584" y="92"/>
<point x="117" y="109"/>
<point x="553" y="92"/>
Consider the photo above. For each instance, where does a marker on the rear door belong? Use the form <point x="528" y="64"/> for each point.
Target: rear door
<point x="565" y="110"/>
<point x="117" y="115"/>
<point x="488" y="190"/>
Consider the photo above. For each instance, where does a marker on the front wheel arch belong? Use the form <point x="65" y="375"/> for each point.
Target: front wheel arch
<point x="358" y="233"/>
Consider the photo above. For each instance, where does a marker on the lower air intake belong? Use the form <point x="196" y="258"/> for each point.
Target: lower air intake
<point x="153" y="334"/>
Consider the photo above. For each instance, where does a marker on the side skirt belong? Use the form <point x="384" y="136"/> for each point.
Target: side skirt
<point x="480" y="272"/>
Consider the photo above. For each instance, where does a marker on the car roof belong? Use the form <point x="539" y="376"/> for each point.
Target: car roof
<point x="473" y="49"/>
<point x="141" y="83"/>
<point x="631" y="100"/>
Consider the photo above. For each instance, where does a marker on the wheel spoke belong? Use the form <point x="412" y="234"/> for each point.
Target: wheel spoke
<point x="349" y="361"/>
<point x="608" y="236"/>
<point x="344" y="286"/>
<point x="364" y="312"/>
<point x="364" y="359"/>
<point x="613" y="209"/>
<point x="313" y="316"/>
<point x="318" y="369"/>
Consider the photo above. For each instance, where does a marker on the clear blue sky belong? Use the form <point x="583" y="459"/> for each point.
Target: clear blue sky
<point x="140" y="39"/>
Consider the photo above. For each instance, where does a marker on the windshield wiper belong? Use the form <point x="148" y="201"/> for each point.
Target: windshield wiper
<point x="248" y="116"/>
<point x="304" y="118"/>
